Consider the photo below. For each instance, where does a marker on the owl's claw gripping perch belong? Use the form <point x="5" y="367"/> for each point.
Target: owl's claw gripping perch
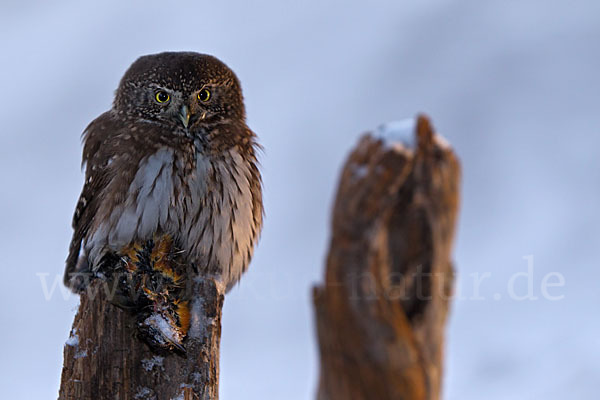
<point x="150" y="284"/>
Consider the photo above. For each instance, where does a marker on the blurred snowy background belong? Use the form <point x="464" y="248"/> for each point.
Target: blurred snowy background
<point x="514" y="85"/>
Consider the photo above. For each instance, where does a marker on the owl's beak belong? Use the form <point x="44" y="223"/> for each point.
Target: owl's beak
<point x="184" y="115"/>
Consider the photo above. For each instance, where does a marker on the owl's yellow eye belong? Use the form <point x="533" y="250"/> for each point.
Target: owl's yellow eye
<point x="162" y="97"/>
<point x="204" y="95"/>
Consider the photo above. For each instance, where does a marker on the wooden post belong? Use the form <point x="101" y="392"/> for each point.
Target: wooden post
<point x="104" y="360"/>
<point x="381" y="311"/>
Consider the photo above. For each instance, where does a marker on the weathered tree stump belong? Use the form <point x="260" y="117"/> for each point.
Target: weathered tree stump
<point x="381" y="311"/>
<point x="104" y="360"/>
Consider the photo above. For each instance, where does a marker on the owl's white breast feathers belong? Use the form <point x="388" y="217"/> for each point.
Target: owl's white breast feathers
<point x="209" y="212"/>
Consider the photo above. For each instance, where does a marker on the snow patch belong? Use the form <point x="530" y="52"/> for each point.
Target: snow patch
<point x="73" y="340"/>
<point x="80" y="354"/>
<point x="398" y="135"/>
<point x="196" y="376"/>
<point x="143" y="393"/>
<point x="441" y="141"/>
<point x="156" y="361"/>
<point x="159" y="322"/>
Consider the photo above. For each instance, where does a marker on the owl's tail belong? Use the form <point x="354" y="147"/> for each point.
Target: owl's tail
<point x="77" y="272"/>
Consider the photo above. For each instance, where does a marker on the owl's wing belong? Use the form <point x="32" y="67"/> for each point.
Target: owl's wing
<point x="96" y="177"/>
<point x="112" y="152"/>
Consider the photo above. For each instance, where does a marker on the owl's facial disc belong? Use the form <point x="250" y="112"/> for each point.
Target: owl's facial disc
<point x="184" y="115"/>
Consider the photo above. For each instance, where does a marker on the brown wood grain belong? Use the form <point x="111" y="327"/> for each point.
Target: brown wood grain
<point x="382" y="309"/>
<point x="108" y="361"/>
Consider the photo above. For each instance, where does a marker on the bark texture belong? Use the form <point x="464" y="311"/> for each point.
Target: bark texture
<point x="103" y="359"/>
<point x="381" y="311"/>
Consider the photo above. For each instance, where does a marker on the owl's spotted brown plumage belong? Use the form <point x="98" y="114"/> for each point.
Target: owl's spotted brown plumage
<point x="172" y="159"/>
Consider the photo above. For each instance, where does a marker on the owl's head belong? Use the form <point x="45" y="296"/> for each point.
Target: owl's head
<point x="182" y="90"/>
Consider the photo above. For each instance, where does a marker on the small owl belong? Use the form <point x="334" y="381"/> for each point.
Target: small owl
<point x="172" y="188"/>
